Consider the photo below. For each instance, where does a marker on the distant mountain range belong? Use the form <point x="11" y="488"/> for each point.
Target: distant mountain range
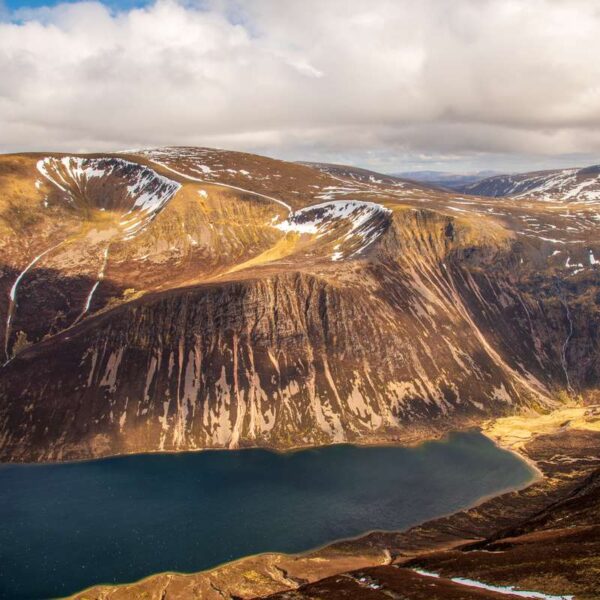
<point x="573" y="184"/>
<point x="581" y="185"/>
<point x="445" y="179"/>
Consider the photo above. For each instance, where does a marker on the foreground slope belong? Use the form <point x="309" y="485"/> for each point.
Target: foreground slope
<point x="186" y="298"/>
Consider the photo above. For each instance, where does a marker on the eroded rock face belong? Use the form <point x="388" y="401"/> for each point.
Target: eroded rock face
<point x="381" y="317"/>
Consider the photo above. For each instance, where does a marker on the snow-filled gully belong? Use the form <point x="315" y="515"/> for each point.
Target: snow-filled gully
<point x="563" y="354"/>
<point x="92" y="291"/>
<point x="362" y="218"/>
<point x="12" y="303"/>
<point x="147" y="191"/>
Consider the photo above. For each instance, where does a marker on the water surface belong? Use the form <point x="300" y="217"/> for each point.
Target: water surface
<point x="64" y="527"/>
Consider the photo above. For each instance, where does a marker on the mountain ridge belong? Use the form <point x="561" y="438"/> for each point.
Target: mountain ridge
<point x="573" y="184"/>
<point x="275" y="304"/>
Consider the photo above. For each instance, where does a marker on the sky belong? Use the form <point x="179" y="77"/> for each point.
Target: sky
<point x="392" y="85"/>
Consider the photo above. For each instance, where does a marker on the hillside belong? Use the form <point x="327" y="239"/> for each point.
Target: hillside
<point x="367" y="177"/>
<point x="186" y="298"/>
<point x="580" y="186"/>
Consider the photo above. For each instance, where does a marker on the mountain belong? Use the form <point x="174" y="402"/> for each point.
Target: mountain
<point x="185" y="298"/>
<point x="445" y="179"/>
<point x="575" y="185"/>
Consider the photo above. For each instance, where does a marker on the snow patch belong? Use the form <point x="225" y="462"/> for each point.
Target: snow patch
<point x="362" y="220"/>
<point x="508" y="590"/>
<point x="146" y="191"/>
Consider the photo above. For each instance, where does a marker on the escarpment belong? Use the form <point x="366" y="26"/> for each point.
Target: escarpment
<point x="369" y="313"/>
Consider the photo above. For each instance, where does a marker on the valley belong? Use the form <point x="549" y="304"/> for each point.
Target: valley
<point x="181" y="299"/>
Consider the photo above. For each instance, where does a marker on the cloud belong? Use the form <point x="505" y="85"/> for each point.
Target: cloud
<point x="342" y="77"/>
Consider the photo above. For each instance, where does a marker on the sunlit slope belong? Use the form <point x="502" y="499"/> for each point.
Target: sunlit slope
<point x="192" y="298"/>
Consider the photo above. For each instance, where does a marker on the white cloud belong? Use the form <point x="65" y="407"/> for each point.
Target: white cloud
<point x="333" y="78"/>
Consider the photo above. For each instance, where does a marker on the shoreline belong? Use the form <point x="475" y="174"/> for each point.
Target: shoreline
<point x="539" y="474"/>
<point x="484" y="426"/>
<point x="433" y="435"/>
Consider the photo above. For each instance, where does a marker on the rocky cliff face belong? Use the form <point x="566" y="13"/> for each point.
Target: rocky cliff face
<point x="245" y="308"/>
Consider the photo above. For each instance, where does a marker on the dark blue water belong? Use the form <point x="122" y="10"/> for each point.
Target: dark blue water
<point x="65" y="527"/>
